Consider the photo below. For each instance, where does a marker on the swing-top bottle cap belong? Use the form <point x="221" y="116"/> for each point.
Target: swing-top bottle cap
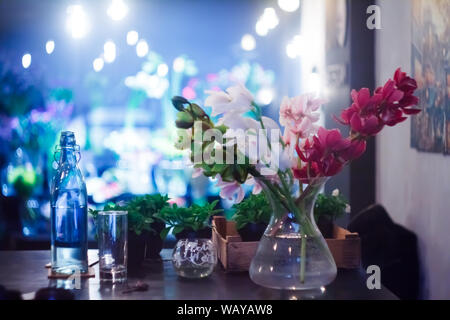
<point x="67" y="139"/>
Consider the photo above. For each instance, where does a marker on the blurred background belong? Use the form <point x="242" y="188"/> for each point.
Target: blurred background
<point x="107" y="70"/>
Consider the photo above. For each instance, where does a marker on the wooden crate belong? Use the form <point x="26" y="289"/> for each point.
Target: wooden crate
<point x="236" y="255"/>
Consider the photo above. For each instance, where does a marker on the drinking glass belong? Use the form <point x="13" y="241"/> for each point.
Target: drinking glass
<point x="112" y="230"/>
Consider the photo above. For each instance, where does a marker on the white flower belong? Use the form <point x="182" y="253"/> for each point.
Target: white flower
<point x="252" y="142"/>
<point x="335" y="193"/>
<point x="236" y="99"/>
<point x="230" y="190"/>
<point x="348" y="209"/>
<point x="236" y="121"/>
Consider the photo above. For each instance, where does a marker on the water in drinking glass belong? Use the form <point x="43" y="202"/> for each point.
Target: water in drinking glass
<point x="112" y="231"/>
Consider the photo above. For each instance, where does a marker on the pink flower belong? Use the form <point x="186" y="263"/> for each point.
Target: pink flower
<point x="298" y="115"/>
<point x="404" y="83"/>
<point x="403" y="102"/>
<point x="390" y="112"/>
<point x="354" y="150"/>
<point x="306" y="172"/>
<point x="257" y="187"/>
<point x="325" y="154"/>
<point x="361" y="115"/>
<point x="230" y="190"/>
<point x="197" y="172"/>
<point x="389" y="105"/>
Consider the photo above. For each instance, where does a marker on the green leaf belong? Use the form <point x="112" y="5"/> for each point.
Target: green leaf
<point x="194" y="217"/>
<point x="198" y="112"/>
<point x="177" y="229"/>
<point x="239" y="173"/>
<point x="218" y="167"/>
<point x="164" y="232"/>
<point x="142" y="211"/>
<point x="331" y="206"/>
<point x="227" y="173"/>
<point x="254" y="209"/>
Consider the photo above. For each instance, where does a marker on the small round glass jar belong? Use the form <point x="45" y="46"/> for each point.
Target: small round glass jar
<point x="194" y="258"/>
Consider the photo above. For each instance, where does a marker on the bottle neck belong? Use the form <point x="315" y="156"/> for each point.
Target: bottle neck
<point x="68" y="156"/>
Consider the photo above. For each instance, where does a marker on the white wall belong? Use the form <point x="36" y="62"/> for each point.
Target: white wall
<point x="413" y="186"/>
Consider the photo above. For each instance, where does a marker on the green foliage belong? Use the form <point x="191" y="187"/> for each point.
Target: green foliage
<point x="191" y="115"/>
<point x="332" y="207"/>
<point x="194" y="217"/>
<point x="24" y="179"/>
<point x="142" y="211"/>
<point x="254" y="209"/>
<point x="198" y="111"/>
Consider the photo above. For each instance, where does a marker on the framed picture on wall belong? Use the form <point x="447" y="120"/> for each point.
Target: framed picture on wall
<point x="430" y="129"/>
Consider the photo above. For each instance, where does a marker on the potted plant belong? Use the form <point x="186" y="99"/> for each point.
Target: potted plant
<point x="143" y="227"/>
<point x="327" y="209"/>
<point x="252" y="216"/>
<point x="188" y="223"/>
<point x="148" y="206"/>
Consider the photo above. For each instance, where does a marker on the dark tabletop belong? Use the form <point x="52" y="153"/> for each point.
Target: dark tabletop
<point x="24" y="271"/>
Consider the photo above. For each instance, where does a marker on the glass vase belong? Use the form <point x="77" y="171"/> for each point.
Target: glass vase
<point x="194" y="258"/>
<point x="292" y="254"/>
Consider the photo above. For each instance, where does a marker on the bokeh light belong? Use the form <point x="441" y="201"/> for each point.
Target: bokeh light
<point x="109" y="51"/>
<point x="265" y="96"/>
<point x="261" y="29"/>
<point x="248" y="42"/>
<point x="295" y="48"/>
<point x="132" y="37"/>
<point x="98" y="64"/>
<point x="26" y="60"/>
<point x="117" y="10"/>
<point x="162" y="70"/>
<point x="179" y="64"/>
<point x="142" y="48"/>
<point x="289" y="5"/>
<point x="270" y="18"/>
<point x="77" y="21"/>
<point x="50" y="46"/>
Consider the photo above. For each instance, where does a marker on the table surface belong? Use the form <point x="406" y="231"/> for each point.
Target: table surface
<point x="24" y="271"/>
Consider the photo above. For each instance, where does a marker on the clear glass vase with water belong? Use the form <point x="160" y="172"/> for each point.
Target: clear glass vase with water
<point x="69" y="233"/>
<point x="292" y="254"/>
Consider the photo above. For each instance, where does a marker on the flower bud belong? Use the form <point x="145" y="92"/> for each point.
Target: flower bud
<point x="178" y="102"/>
<point x="184" y="120"/>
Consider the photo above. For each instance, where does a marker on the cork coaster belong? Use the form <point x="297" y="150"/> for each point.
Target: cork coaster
<point x="52" y="275"/>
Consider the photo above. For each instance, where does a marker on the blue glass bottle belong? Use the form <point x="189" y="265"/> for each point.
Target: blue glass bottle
<point x="68" y="210"/>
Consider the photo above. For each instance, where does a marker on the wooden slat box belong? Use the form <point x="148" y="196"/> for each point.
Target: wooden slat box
<point x="236" y="255"/>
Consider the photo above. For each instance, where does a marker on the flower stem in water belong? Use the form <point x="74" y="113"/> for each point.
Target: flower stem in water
<point x="302" y="258"/>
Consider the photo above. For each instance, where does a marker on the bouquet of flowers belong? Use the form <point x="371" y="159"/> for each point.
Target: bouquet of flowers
<point x="290" y="166"/>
